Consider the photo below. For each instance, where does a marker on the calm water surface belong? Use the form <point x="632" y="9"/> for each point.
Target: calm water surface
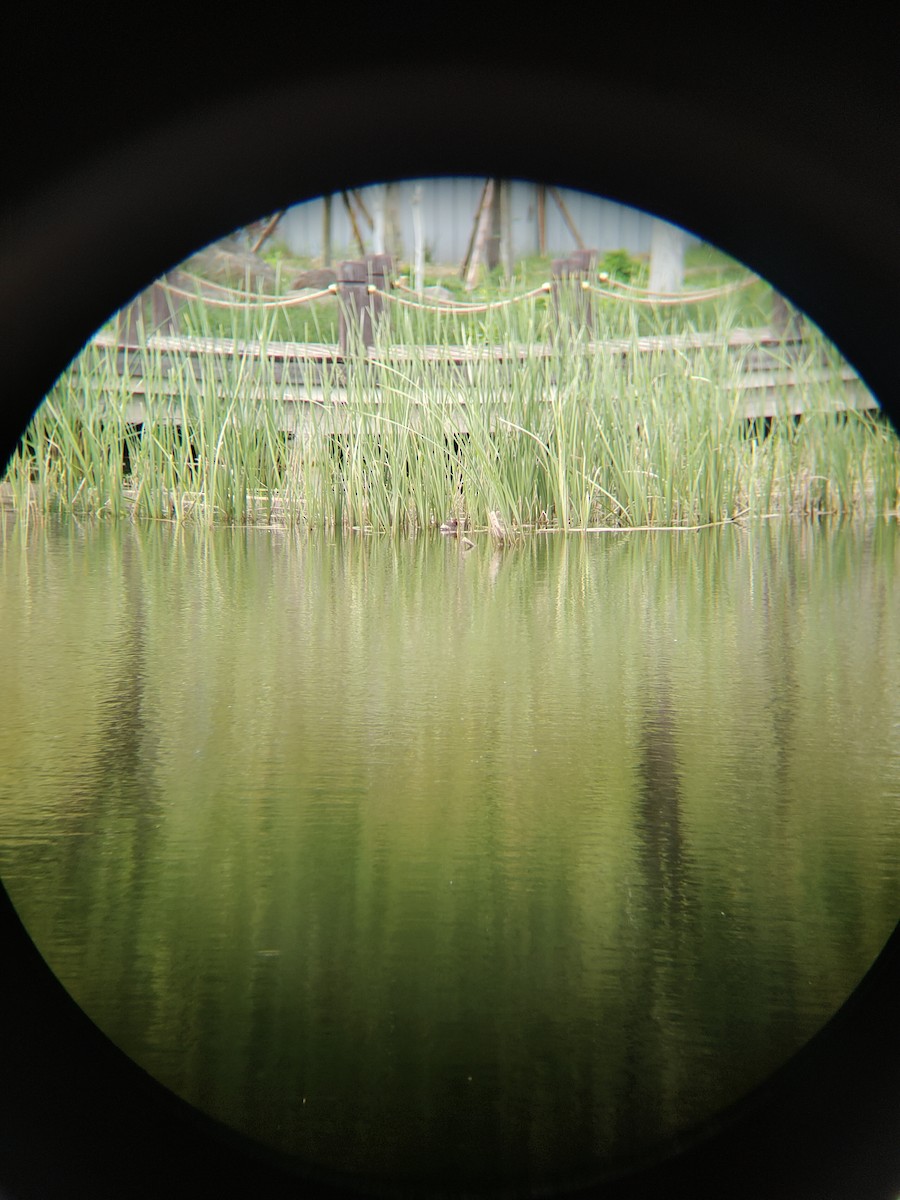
<point x="451" y="866"/>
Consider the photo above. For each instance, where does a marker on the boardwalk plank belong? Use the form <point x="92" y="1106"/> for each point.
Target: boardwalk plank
<point x="768" y="384"/>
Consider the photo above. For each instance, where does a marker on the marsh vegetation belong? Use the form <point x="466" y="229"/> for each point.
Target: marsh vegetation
<point x="573" y="428"/>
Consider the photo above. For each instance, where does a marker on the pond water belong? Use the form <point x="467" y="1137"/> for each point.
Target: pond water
<point x="434" y="865"/>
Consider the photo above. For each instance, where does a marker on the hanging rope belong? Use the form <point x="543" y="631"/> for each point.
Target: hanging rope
<point x="457" y="306"/>
<point x="632" y="294"/>
<point x="645" y="296"/>
<point x="201" y="283"/>
<point x="276" y="301"/>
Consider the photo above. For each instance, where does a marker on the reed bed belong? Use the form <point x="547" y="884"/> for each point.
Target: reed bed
<point x="565" y="438"/>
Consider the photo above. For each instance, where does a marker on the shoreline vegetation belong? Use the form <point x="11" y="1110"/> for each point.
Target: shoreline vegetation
<point x="568" y="439"/>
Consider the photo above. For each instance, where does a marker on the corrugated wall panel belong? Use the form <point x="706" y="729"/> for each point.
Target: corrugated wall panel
<point x="448" y="208"/>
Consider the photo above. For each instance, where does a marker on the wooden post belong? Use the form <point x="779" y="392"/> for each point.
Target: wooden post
<point x="354" y="192"/>
<point x="267" y="232"/>
<point x="355" y="324"/>
<point x="566" y="216"/>
<point x="587" y="263"/>
<point x="572" y="302"/>
<point x="482" y="231"/>
<point x="165" y="306"/>
<point x="560" y="293"/>
<point x="470" y="249"/>
<point x="358" y="309"/>
<point x="379" y="269"/>
<point x="354" y="226"/>
<point x="150" y="311"/>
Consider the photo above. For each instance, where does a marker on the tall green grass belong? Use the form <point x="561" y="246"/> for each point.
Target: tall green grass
<point x="566" y="436"/>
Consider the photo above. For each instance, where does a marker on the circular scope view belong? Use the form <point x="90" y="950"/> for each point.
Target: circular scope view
<point x="451" y="647"/>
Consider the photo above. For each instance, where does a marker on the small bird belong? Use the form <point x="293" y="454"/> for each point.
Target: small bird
<point x="499" y="531"/>
<point x="450" y="527"/>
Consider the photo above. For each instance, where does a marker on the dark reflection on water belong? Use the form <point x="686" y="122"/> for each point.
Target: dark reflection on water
<point x="466" y="867"/>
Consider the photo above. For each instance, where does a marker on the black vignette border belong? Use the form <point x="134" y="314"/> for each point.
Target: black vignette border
<point x="775" y="139"/>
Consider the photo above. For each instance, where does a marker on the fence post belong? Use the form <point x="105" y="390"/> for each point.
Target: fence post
<point x="360" y="310"/>
<point x="572" y="302"/>
<point x="164" y="305"/>
<point x="379" y="268"/>
<point x="355" y="326"/>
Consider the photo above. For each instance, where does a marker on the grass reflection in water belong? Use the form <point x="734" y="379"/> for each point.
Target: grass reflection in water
<point x="444" y="865"/>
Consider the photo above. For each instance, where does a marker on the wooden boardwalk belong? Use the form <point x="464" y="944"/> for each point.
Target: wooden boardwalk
<point x="770" y="381"/>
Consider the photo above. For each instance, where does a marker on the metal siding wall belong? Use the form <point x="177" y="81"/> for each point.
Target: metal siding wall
<point x="523" y="212"/>
<point x="448" y="212"/>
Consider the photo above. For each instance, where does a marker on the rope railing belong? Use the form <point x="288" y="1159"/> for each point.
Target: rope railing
<point x="624" y="292"/>
<point x="289" y="301"/>
<point x="646" y="296"/>
<point x="458" y="306"/>
<point x="294" y="295"/>
<point x="200" y="282"/>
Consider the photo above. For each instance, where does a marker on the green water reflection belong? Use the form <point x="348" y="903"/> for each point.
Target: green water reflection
<point x="459" y="866"/>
